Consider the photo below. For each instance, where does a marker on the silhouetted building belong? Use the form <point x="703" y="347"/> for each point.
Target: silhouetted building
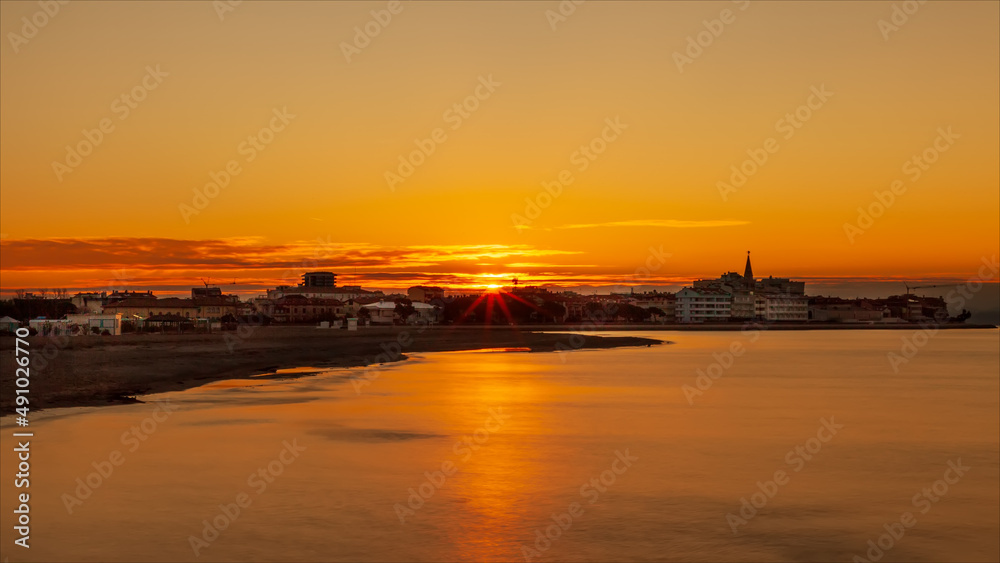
<point x="319" y="279"/>
<point x="197" y="292"/>
<point x="424" y="294"/>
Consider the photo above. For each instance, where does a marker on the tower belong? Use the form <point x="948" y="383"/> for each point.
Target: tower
<point x="748" y="273"/>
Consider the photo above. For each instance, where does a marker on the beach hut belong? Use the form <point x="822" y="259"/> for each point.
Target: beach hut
<point x="9" y="324"/>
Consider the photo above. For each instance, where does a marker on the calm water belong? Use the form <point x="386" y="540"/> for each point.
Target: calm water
<point x="559" y="421"/>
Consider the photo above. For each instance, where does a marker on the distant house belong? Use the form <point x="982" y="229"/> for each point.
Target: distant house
<point x="424" y="294"/>
<point x="88" y="324"/>
<point x="381" y="313"/>
<point x="203" y="307"/>
<point x="92" y="302"/>
<point x="167" y="322"/>
<point x="143" y="307"/>
<point x="425" y="314"/>
<point x="299" y="308"/>
<point x="50" y="327"/>
<point x="665" y="302"/>
<point x="9" y="324"/>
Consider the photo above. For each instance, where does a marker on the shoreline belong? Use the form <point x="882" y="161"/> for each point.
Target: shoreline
<point x="88" y="371"/>
<point x="779" y="326"/>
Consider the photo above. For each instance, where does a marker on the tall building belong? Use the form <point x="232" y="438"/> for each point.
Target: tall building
<point x="207" y="291"/>
<point x="319" y="279"/>
<point x="698" y="305"/>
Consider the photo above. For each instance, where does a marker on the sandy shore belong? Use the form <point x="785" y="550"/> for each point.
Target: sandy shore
<point x="94" y="370"/>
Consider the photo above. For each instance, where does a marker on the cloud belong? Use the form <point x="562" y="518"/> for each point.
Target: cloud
<point x="656" y="223"/>
<point x="242" y="253"/>
<point x="659" y="223"/>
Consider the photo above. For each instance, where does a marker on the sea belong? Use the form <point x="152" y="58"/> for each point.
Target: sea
<point x="754" y="445"/>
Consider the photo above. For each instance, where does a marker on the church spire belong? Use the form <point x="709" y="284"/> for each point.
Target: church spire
<point x="748" y="272"/>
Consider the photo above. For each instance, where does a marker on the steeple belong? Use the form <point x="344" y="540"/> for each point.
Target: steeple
<point x="748" y="272"/>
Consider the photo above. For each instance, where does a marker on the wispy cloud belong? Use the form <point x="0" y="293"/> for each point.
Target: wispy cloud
<point x="244" y="253"/>
<point x="255" y="264"/>
<point x="657" y="223"/>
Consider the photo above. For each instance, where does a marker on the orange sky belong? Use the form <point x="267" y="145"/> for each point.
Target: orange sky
<point x="314" y="193"/>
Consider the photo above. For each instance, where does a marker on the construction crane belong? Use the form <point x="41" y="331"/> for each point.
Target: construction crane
<point x="909" y="287"/>
<point x="209" y="284"/>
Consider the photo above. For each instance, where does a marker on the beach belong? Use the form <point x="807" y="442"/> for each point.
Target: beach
<point x="95" y="370"/>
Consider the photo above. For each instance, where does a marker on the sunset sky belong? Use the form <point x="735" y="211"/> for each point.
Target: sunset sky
<point x="316" y="196"/>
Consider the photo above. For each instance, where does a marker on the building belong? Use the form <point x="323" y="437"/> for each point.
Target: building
<point x="576" y="307"/>
<point x="319" y="279"/>
<point x="9" y="324"/>
<point x="317" y="285"/>
<point x="834" y="309"/>
<point x="781" y="285"/>
<point x="424" y="294"/>
<point x="89" y="302"/>
<point x="786" y="308"/>
<point x="381" y="313"/>
<point x="50" y="327"/>
<point x="666" y="302"/>
<point x="217" y="306"/>
<point x="424" y="314"/>
<point x="134" y="308"/>
<point x="747" y="305"/>
<point x="126" y="294"/>
<point x="697" y="305"/>
<point x="203" y="292"/>
<point x="302" y="309"/>
<point x="96" y="324"/>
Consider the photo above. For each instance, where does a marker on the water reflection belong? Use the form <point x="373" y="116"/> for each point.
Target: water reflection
<point x="365" y="454"/>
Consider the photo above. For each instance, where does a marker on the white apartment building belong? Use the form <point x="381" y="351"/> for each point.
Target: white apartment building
<point x="786" y="308"/>
<point x="697" y="305"/>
